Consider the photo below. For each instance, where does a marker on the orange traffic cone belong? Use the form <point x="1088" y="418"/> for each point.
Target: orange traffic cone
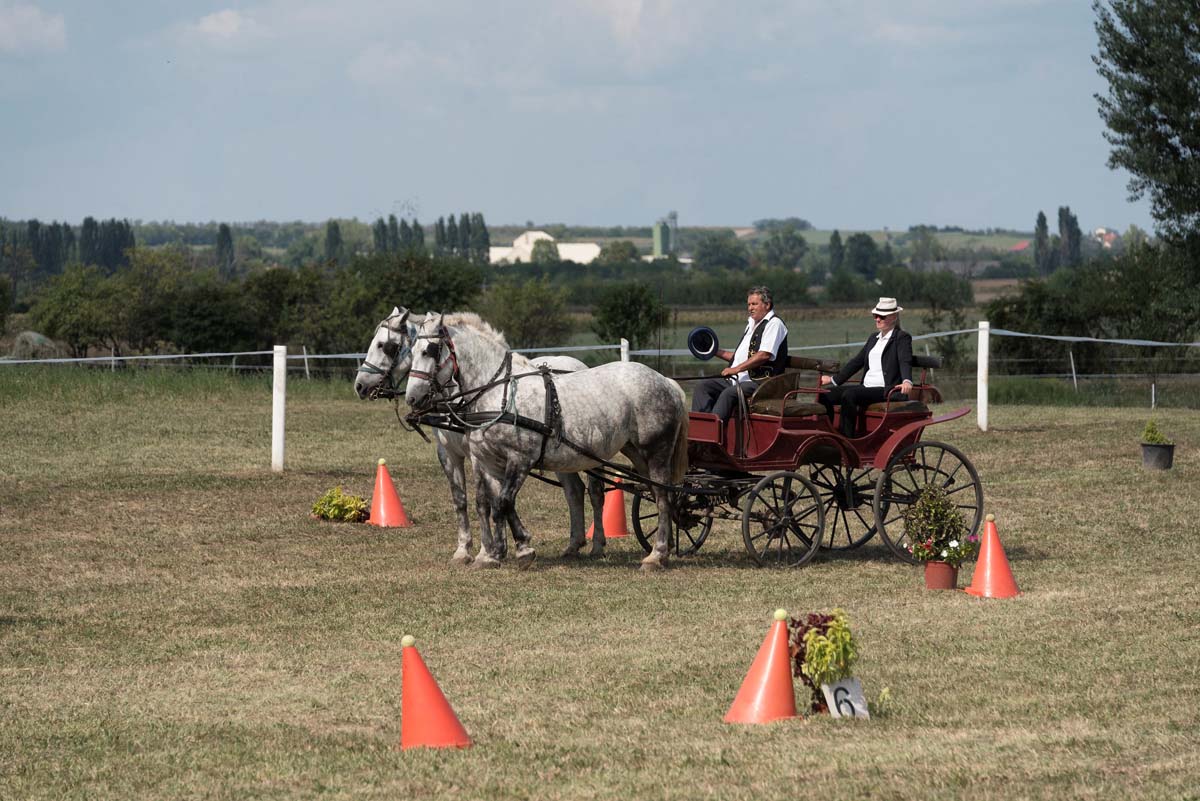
<point x="613" y="516"/>
<point x="386" y="509"/>
<point x="426" y="719"/>
<point x="767" y="693"/>
<point x="993" y="577"/>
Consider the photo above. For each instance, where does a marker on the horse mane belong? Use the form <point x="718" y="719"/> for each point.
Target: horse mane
<point x="475" y="322"/>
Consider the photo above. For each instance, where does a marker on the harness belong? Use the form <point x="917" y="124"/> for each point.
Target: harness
<point x="387" y="388"/>
<point x="451" y="412"/>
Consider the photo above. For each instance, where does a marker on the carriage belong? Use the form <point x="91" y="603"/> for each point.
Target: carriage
<point x="797" y="485"/>
<point x="780" y="467"/>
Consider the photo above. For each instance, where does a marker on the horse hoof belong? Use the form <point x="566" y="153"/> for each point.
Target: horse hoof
<point x="571" y="553"/>
<point x="461" y="558"/>
<point x="525" y="558"/>
<point x="597" y="551"/>
<point x="654" y="562"/>
<point x="485" y="563"/>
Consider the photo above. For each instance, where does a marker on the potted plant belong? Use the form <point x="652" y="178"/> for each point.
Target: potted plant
<point x="939" y="537"/>
<point x="1158" y="452"/>
<point x="823" y="652"/>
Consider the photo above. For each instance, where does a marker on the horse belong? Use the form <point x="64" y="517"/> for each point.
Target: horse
<point x="585" y="418"/>
<point x="389" y="357"/>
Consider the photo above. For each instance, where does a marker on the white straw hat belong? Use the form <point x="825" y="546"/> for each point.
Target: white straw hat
<point x="887" y="306"/>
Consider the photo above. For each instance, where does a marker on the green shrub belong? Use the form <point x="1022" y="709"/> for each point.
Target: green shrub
<point x="1151" y="435"/>
<point x="337" y="505"/>
<point x="823" y="651"/>
<point x="936" y="530"/>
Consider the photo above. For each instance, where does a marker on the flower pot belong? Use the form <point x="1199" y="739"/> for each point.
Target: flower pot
<point x="1158" y="457"/>
<point x="940" y="576"/>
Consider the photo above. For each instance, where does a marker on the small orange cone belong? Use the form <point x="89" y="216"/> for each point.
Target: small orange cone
<point x="426" y="719"/>
<point x="614" y="514"/>
<point x="386" y="509"/>
<point x="993" y="577"/>
<point x="767" y="693"/>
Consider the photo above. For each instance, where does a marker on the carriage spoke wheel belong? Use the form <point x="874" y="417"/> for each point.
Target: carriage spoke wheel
<point x="909" y="471"/>
<point x="848" y="495"/>
<point x="782" y="520"/>
<point x="693" y="521"/>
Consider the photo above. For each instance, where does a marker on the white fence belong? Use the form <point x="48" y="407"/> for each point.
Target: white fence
<point x="280" y="358"/>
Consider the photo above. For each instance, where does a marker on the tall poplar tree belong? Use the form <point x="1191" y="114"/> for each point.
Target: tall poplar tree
<point x="1041" y="245"/>
<point x="225" y="251"/>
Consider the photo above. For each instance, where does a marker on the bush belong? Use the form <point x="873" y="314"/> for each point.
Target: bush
<point x="337" y="505"/>
<point x="1151" y="435"/>
<point x="823" y="651"/>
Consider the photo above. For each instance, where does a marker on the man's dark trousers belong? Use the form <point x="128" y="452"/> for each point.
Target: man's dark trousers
<point x="719" y="396"/>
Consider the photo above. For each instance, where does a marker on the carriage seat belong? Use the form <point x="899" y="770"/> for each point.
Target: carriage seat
<point x="770" y="397"/>
<point x="922" y="392"/>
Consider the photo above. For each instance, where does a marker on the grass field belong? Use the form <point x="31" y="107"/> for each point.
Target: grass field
<point x="174" y="625"/>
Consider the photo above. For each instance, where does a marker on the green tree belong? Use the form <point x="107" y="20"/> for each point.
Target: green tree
<point x="225" y="253"/>
<point x="618" y="251"/>
<point x="450" y="243"/>
<point x="530" y="313"/>
<point x="862" y="255"/>
<point x="1070" y="238"/>
<point x="785" y="248"/>
<point x="79" y="307"/>
<point x="464" y="237"/>
<point x="334" y="247"/>
<point x="379" y="236"/>
<point x="837" y="253"/>
<point x="925" y="245"/>
<point x="6" y="300"/>
<point x="631" y="311"/>
<point x="721" y="249"/>
<point x="418" y="235"/>
<point x="89" y="241"/>
<point x="481" y="240"/>
<point x="544" y="252"/>
<point x="1041" y="245"/>
<point x="844" y="286"/>
<point x="439" y="236"/>
<point x="1148" y="55"/>
<point x="393" y="234"/>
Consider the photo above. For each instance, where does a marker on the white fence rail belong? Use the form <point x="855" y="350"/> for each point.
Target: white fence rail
<point x="280" y="359"/>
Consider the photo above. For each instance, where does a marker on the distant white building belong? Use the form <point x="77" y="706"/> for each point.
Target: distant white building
<point x="522" y="250"/>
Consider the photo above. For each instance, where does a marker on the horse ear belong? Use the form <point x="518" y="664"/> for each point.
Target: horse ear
<point x="395" y="312"/>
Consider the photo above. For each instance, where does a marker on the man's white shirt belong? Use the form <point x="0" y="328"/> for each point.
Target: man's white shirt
<point x="772" y="336"/>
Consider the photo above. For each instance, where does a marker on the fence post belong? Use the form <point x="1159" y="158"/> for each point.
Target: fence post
<point x="278" y="404"/>
<point x="981" y="390"/>
<point x="304" y="349"/>
<point x="624" y="349"/>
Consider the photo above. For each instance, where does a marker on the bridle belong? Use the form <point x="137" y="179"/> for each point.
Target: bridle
<point x="438" y="389"/>
<point x="394" y="351"/>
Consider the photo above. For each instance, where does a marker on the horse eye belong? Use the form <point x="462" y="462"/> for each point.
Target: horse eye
<point x="391" y="349"/>
<point x="433" y="350"/>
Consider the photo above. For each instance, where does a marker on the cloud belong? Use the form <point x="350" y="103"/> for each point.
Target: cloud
<point x="223" y="28"/>
<point x="25" y="28"/>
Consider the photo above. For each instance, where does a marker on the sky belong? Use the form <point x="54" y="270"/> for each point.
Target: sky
<point x="852" y="114"/>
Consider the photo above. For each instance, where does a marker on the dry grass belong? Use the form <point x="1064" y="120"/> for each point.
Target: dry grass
<point x="173" y="625"/>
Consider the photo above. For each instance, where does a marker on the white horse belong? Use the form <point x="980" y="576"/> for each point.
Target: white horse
<point x="389" y="357"/>
<point x="589" y="416"/>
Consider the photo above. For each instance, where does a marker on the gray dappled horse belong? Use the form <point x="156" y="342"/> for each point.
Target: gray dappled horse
<point x="389" y="357"/>
<point x="620" y="407"/>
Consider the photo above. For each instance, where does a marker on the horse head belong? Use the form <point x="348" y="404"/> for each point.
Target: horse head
<point x="389" y="357"/>
<point x="434" y="365"/>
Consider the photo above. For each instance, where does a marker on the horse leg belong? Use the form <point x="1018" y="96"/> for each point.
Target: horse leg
<point x="489" y="555"/>
<point x="596" y="493"/>
<point x="659" y="471"/>
<point x="454" y="466"/>
<point x="504" y="505"/>
<point x="572" y="487"/>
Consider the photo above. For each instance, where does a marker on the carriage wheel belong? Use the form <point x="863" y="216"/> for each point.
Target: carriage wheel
<point x="693" y="521"/>
<point x="848" y="497"/>
<point x="909" y="471"/>
<point x="782" y="520"/>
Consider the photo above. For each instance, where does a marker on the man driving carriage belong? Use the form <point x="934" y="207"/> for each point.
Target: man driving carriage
<point x="761" y="353"/>
<point x="887" y="358"/>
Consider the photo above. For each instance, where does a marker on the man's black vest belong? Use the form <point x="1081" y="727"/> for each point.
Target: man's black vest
<point x="776" y="365"/>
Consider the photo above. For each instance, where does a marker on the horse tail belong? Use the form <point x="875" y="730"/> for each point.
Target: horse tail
<point x="679" y="460"/>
